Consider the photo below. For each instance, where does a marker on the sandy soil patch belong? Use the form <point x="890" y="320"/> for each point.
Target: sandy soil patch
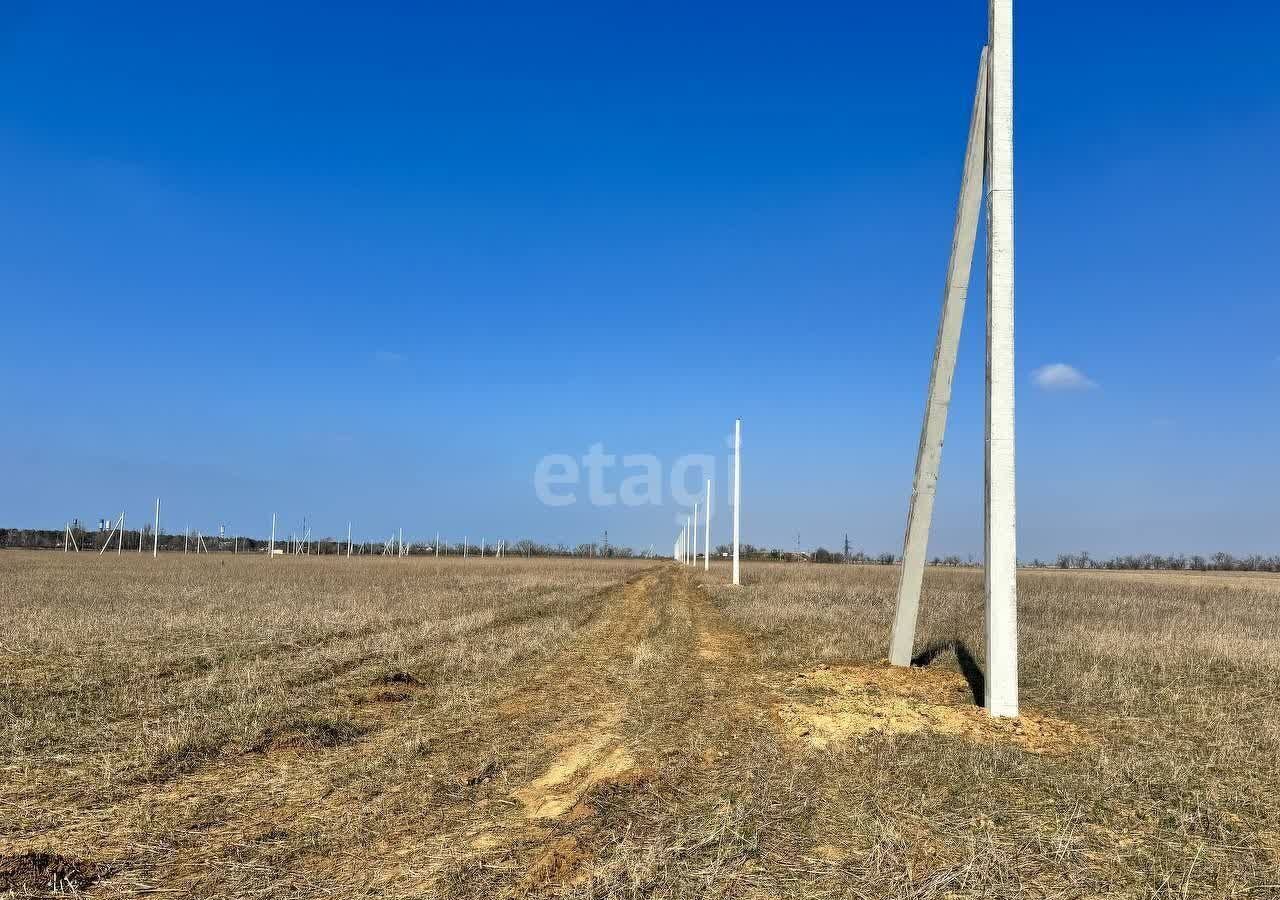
<point x="835" y="704"/>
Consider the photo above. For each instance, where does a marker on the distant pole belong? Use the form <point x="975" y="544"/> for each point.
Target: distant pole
<point x="348" y="540"/>
<point x="107" y="543"/>
<point x="1001" y="531"/>
<point x="120" y="540"/>
<point x="706" y="538"/>
<point x="688" y="530"/>
<point x="694" y="558"/>
<point x="271" y="551"/>
<point x="155" y="542"/>
<point x="737" y="493"/>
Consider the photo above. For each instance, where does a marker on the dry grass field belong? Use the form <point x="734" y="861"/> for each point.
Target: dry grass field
<point x="243" y="727"/>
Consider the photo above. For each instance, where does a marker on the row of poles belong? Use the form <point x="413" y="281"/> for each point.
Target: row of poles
<point x="988" y="162"/>
<point x="685" y="549"/>
<point x="395" y="545"/>
<point x="117" y="534"/>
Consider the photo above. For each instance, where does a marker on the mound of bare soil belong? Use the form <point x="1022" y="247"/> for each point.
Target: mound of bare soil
<point x="564" y="862"/>
<point x="40" y="872"/>
<point x="834" y="704"/>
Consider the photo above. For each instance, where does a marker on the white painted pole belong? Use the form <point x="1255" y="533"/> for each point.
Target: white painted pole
<point x="694" y="558"/>
<point x="737" y="493"/>
<point x="120" y="540"/>
<point x="1001" y="501"/>
<point x="155" y="542"/>
<point x="271" y="550"/>
<point x="915" y="543"/>
<point x="107" y="542"/>
<point x="706" y="537"/>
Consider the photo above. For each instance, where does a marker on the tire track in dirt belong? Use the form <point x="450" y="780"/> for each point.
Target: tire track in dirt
<point x="552" y="741"/>
<point x="679" y="715"/>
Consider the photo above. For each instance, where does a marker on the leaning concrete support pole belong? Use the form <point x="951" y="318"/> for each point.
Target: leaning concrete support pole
<point x="929" y="454"/>
<point x="1001" y="523"/>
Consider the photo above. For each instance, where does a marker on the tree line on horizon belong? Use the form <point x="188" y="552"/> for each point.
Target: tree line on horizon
<point x="1174" y="562"/>
<point x="93" y="539"/>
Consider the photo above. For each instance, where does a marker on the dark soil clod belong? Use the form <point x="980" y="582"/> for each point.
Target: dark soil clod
<point x="486" y="774"/>
<point x="390" y="697"/>
<point x="400" y="678"/>
<point x="37" y="871"/>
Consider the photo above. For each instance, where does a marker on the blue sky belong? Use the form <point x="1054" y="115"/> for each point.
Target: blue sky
<point x="374" y="264"/>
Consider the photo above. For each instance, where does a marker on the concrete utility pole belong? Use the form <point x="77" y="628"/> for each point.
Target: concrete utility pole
<point x="694" y="557"/>
<point x="929" y="454"/>
<point x="992" y="122"/>
<point x="737" y="492"/>
<point x="271" y="550"/>
<point x="706" y="538"/>
<point x="155" y="541"/>
<point x="1001" y="500"/>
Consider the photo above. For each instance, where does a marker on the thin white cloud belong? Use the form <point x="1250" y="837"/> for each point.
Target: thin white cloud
<point x="388" y="357"/>
<point x="1062" y="377"/>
